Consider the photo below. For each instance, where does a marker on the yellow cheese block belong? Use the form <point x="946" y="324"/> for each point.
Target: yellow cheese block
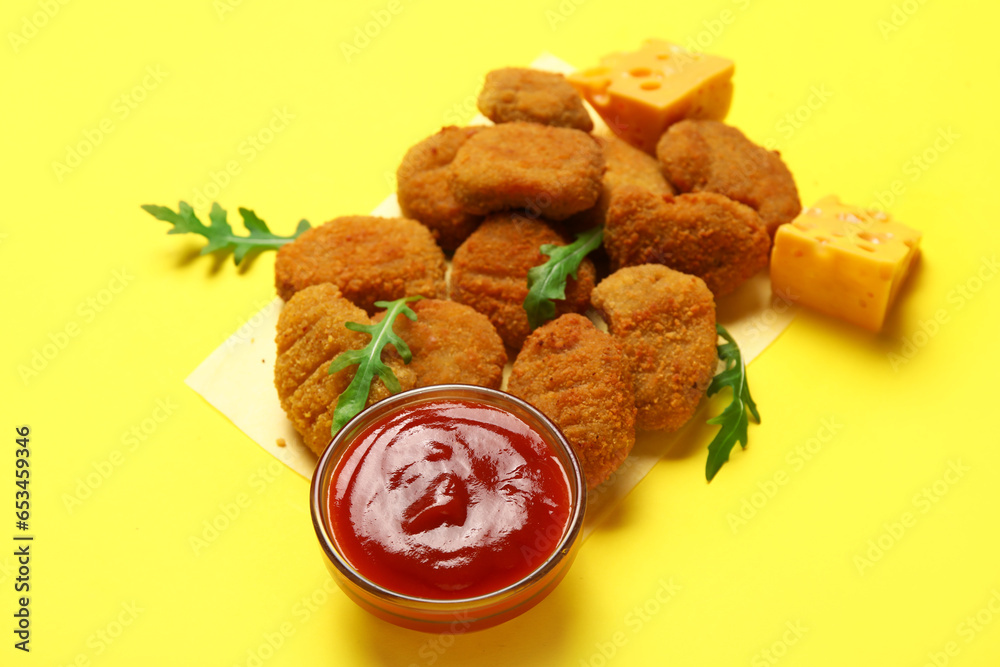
<point x="640" y="94"/>
<point x="843" y="260"/>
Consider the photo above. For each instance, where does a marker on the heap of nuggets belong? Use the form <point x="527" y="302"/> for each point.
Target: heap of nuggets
<point x="681" y="229"/>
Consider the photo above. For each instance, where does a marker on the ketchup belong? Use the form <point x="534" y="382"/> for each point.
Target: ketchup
<point x="448" y="499"/>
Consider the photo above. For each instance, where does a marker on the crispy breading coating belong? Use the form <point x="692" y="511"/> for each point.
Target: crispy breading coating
<point x="451" y="343"/>
<point x="518" y="93"/>
<point x="705" y="234"/>
<point x="580" y="378"/>
<point x="624" y="164"/>
<point x="489" y="272"/>
<point x="666" y="322"/>
<point x="627" y="165"/>
<point x="369" y="258"/>
<point x="709" y="156"/>
<point x="311" y="334"/>
<point x="423" y="190"/>
<point x="551" y="172"/>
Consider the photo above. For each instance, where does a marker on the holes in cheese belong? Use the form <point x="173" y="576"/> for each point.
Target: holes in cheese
<point x="843" y="260"/>
<point x="640" y="94"/>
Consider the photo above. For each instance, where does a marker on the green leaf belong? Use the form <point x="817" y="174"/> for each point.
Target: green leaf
<point x="369" y="360"/>
<point x="734" y="419"/>
<point x="184" y="221"/>
<point x="219" y="233"/>
<point x="548" y="281"/>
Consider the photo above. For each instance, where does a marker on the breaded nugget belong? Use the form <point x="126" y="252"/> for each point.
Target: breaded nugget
<point x="423" y="191"/>
<point x="666" y="322"/>
<point x="489" y="272"/>
<point x="370" y="259"/>
<point x="580" y="378"/>
<point x="624" y="164"/>
<point x="451" y="343"/>
<point x="517" y="93"/>
<point x="705" y="234"/>
<point x="709" y="156"/>
<point x="551" y="172"/>
<point x="311" y="334"/>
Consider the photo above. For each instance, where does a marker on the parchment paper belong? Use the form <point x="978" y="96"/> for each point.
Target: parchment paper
<point x="238" y="377"/>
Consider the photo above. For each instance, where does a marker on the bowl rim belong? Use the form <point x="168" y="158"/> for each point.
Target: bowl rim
<point x="328" y="462"/>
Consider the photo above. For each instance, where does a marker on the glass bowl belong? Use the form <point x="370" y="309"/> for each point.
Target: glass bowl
<point x="430" y="613"/>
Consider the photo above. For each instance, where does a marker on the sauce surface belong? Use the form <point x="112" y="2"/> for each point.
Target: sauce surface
<point x="448" y="499"/>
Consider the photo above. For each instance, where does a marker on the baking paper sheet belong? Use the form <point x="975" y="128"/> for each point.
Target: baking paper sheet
<point x="238" y="377"/>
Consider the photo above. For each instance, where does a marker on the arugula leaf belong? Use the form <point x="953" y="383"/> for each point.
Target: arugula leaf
<point x="219" y="233"/>
<point x="369" y="360"/>
<point x="733" y="419"/>
<point x="548" y="281"/>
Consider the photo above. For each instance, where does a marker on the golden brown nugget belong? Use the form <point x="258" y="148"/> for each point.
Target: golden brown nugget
<point x="310" y="329"/>
<point x="489" y="272"/>
<point x="369" y="258"/>
<point x="624" y="164"/>
<point x="311" y="334"/>
<point x="551" y="172"/>
<point x="423" y="191"/>
<point x="451" y="343"/>
<point x="704" y="234"/>
<point x="298" y="317"/>
<point x="518" y="93"/>
<point x="666" y="322"/>
<point x="709" y="156"/>
<point x="580" y="378"/>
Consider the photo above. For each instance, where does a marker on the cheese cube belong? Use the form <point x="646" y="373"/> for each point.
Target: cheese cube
<point x="843" y="260"/>
<point x="640" y="94"/>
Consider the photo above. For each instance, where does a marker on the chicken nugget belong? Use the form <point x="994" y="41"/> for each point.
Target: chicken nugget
<point x="709" y="156"/>
<point x="369" y="258"/>
<point x="311" y="334"/>
<point x="423" y="191"/>
<point x="451" y="344"/>
<point x="665" y="320"/>
<point x="624" y="164"/>
<point x="489" y="272"/>
<point x="549" y="171"/>
<point x="705" y="234"/>
<point x="580" y="378"/>
<point x="518" y="93"/>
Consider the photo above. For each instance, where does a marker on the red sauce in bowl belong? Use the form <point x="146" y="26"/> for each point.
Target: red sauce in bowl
<point x="448" y="499"/>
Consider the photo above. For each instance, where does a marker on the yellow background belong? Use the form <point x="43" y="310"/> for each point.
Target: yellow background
<point x="110" y="315"/>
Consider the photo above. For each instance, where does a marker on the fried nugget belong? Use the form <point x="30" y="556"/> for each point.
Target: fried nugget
<point x="580" y="378"/>
<point x="423" y="189"/>
<point x="451" y="343"/>
<point x="517" y="93"/>
<point x="709" y="156"/>
<point x="369" y="258"/>
<point x="489" y="272"/>
<point x="624" y="165"/>
<point x="311" y="334"/>
<point x="705" y="234"/>
<point x="666" y="322"/>
<point x="552" y="172"/>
